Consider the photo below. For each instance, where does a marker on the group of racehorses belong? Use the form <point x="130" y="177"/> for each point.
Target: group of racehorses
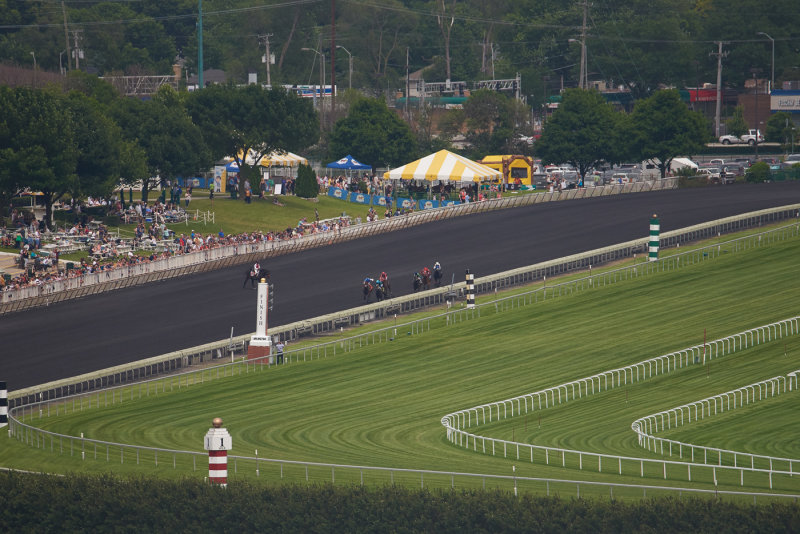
<point x="382" y="288"/>
<point x="422" y="279"/>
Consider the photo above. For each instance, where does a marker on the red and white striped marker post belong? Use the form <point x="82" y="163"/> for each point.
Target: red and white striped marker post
<point x="218" y="442"/>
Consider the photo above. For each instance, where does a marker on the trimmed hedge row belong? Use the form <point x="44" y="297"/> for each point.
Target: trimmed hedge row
<point x="79" y="503"/>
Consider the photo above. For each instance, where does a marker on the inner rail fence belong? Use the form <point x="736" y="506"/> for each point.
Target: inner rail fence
<point x="723" y="464"/>
<point x="219" y="258"/>
<point x="645" y="427"/>
<point x="203" y="355"/>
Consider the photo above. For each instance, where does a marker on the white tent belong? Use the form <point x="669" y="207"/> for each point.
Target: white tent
<point x="679" y="163"/>
<point x="443" y="166"/>
<point x="277" y="159"/>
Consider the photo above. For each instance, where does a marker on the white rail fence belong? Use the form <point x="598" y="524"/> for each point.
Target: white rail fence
<point x="456" y="422"/>
<point x="202" y="261"/>
<point x="241" y="467"/>
<point x="645" y="427"/>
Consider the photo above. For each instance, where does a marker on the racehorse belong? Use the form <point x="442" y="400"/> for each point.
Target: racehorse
<point x="380" y="291"/>
<point x="437" y="276"/>
<point x="417" y="282"/>
<point x="254" y="276"/>
<point x="367" y="289"/>
<point x="426" y="278"/>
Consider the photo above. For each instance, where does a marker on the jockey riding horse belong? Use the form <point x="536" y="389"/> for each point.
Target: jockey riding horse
<point x="437" y="274"/>
<point x="255" y="274"/>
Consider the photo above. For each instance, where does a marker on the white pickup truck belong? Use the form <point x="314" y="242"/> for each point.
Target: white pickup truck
<point x="751" y="137"/>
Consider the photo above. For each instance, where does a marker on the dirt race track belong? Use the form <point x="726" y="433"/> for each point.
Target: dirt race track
<point x="84" y="335"/>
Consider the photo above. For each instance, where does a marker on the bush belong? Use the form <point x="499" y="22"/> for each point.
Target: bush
<point x="758" y="172"/>
<point x="306" y="186"/>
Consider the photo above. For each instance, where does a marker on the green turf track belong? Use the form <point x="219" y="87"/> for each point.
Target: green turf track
<point x="382" y="405"/>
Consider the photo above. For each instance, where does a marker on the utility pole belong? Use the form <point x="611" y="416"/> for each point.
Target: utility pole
<point x="332" y="116"/>
<point x="267" y="58"/>
<point x="77" y="51"/>
<point x="66" y="31"/>
<point x="408" y="86"/>
<point x="719" y="54"/>
<point x="583" y="83"/>
<point x="200" y="81"/>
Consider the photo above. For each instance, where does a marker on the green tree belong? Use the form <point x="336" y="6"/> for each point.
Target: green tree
<point x="663" y="127"/>
<point x="580" y="132"/>
<point x="249" y="122"/>
<point x="99" y="144"/>
<point x="37" y="144"/>
<point x="779" y="128"/>
<point x="173" y="144"/>
<point x="736" y="125"/>
<point x="758" y="172"/>
<point x="307" y="185"/>
<point x="373" y="134"/>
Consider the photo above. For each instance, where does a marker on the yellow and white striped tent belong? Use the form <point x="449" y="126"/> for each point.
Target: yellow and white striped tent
<point x="443" y="166"/>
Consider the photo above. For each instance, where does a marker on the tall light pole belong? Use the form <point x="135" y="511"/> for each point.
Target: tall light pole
<point x="350" y="81"/>
<point x="321" y="79"/>
<point x="60" y="64"/>
<point x="772" y="77"/>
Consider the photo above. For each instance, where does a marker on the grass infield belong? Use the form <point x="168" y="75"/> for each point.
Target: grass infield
<point x="381" y="405"/>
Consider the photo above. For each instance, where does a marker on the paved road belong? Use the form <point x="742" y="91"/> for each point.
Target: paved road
<point x="80" y="336"/>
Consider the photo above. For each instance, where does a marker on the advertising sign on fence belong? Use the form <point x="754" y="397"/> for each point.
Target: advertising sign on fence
<point x="379" y="200"/>
<point x="428" y="204"/>
<point x="337" y="192"/>
<point x="406" y="203"/>
<point x="360" y="198"/>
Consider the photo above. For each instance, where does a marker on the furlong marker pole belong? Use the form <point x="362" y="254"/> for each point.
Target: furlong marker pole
<point x="655" y="230"/>
<point x="3" y="404"/>
<point x="218" y="442"/>
<point x="470" y="290"/>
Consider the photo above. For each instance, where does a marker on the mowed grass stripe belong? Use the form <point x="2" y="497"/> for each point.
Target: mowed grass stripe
<point x="381" y="405"/>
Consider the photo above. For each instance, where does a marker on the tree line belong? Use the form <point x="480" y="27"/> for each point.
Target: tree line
<point x="639" y="44"/>
<point x="89" y="140"/>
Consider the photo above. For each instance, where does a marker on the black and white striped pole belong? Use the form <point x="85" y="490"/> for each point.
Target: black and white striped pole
<point x="3" y="404"/>
<point x="655" y="230"/>
<point x="470" y="290"/>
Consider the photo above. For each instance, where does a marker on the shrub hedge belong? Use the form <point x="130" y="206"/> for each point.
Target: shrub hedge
<point x="79" y="503"/>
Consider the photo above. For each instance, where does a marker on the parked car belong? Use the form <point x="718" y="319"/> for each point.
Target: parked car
<point x="717" y="162"/>
<point x="711" y="173"/>
<point x="750" y="138"/>
<point x="790" y="160"/>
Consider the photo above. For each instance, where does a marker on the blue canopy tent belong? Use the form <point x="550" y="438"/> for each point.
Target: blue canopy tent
<point x="349" y="163"/>
<point x="232" y="167"/>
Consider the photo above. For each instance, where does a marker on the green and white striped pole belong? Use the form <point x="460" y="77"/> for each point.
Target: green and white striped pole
<point x="655" y="229"/>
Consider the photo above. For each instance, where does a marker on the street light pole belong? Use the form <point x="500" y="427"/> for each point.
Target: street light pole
<point x="321" y="79"/>
<point x="350" y="80"/>
<point x="772" y="77"/>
